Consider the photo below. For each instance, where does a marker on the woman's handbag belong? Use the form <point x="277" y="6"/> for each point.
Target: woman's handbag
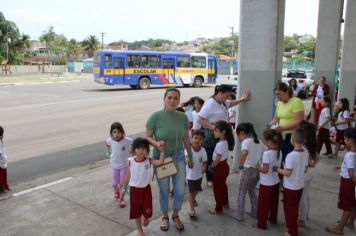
<point x="169" y="167"/>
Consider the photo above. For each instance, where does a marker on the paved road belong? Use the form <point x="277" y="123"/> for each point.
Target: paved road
<point x="51" y="127"/>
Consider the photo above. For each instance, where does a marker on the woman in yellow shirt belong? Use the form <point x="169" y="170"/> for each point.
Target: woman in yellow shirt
<point x="289" y="114"/>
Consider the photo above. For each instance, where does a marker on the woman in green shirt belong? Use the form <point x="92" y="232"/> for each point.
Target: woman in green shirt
<point x="289" y="114"/>
<point x="169" y="128"/>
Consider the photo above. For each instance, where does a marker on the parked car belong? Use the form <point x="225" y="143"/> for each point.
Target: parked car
<point x="303" y="78"/>
<point x="232" y="80"/>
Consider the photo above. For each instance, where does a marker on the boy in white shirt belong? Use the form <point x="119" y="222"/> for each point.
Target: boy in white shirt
<point x="347" y="182"/>
<point x="295" y="166"/>
<point x="195" y="175"/>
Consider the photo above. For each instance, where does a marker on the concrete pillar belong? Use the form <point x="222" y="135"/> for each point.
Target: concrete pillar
<point x="260" y="59"/>
<point x="327" y="43"/>
<point x="348" y="64"/>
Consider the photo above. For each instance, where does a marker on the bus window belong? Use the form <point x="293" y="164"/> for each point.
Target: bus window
<point x="118" y="62"/>
<point x="108" y="61"/>
<point x="151" y="61"/>
<point x="133" y="61"/>
<point x="183" y="61"/>
<point x="198" y="62"/>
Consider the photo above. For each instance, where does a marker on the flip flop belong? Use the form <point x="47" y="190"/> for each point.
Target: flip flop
<point x="332" y="230"/>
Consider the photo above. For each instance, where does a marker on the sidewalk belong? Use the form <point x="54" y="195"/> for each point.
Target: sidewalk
<point x="84" y="205"/>
<point x="40" y="78"/>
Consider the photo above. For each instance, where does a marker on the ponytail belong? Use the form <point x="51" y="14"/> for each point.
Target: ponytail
<point x="229" y="136"/>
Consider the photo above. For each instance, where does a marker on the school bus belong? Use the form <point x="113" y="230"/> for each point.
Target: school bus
<point x="141" y="69"/>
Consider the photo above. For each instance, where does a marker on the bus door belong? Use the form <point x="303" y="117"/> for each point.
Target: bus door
<point x="212" y="72"/>
<point x="169" y="71"/>
<point x="119" y="67"/>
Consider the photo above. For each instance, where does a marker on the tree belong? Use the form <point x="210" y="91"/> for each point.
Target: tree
<point x="72" y="48"/>
<point x="9" y="33"/>
<point x="290" y="43"/>
<point x="91" y="44"/>
<point x="48" y="37"/>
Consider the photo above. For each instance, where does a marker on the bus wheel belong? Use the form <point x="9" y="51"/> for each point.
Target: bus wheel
<point x="133" y="86"/>
<point x="144" y="83"/>
<point x="198" y="82"/>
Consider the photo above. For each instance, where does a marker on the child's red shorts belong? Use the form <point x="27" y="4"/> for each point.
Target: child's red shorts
<point x="140" y="202"/>
<point x="346" y="194"/>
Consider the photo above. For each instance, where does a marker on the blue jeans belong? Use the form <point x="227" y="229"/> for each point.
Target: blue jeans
<point x="178" y="184"/>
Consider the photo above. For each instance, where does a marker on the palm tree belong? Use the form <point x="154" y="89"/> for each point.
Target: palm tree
<point x="91" y="44"/>
<point x="72" y="48"/>
<point x="48" y="37"/>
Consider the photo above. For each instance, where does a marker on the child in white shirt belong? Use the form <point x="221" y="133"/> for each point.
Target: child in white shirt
<point x="347" y="183"/>
<point x="251" y="151"/>
<point x="4" y="185"/>
<point x="219" y="166"/>
<point x="195" y="175"/>
<point x="117" y="149"/>
<point x="138" y="177"/>
<point x="296" y="165"/>
<point x="268" y="166"/>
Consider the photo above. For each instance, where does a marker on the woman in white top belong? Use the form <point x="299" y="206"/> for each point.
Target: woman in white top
<point x="295" y="87"/>
<point x="215" y="109"/>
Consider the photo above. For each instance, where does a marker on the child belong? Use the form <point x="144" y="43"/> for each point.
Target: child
<point x="4" y="186"/>
<point x="324" y="127"/>
<point x="219" y="166"/>
<point x="198" y="104"/>
<point x="195" y="175"/>
<point x="117" y="147"/>
<point x="347" y="182"/>
<point x="189" y="107"/>
<point x="311" y="147"/>
<point x="232" y="112"/>
<point x="342" y="123"/>
<point x="295" y="167"/>
<point x="251" y="151"/>
<point x="268" y="166"/>
<point x="138" y="177"/>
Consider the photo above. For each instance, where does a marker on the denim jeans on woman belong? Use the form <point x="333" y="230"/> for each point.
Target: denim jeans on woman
<point x="178" y="184"/>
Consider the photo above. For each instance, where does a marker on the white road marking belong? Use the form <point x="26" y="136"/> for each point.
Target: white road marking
<point x="41" y="187"/>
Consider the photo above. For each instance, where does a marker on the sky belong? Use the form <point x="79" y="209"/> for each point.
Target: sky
<point x="131" y="20"/>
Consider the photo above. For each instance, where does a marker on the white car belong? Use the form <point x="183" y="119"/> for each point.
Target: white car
<point x="303" y="78"/>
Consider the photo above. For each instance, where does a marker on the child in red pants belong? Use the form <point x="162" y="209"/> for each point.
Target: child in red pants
<point x="296" y="164"/>
<point x="268" y="196"/>
<point x="347" y="182"/>
<point x="138" y="176"/>
<point x="4" y="186"/>
<point x="219" y="166"/>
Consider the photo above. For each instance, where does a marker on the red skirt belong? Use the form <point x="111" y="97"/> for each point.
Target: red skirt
<point x="140" y="202"/>
<point x="346" y="194"/>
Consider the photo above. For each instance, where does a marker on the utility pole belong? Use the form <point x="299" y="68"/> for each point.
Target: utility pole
<point x="232" y="49"/>
<point x="102" y="39"/>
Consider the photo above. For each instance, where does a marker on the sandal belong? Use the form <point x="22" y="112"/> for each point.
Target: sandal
<point x="165" y="224"/>
<point x="179" y="225"/>
<point x="193" y="216"/>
